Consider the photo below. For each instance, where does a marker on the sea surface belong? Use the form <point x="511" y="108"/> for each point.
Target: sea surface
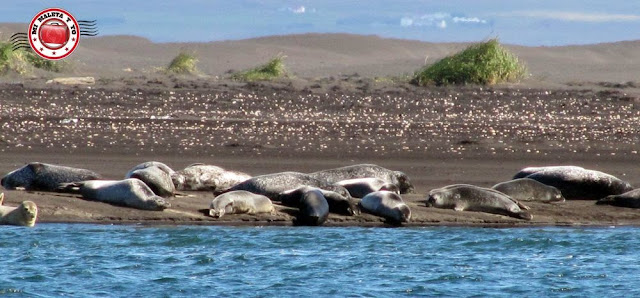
<point x="174" y="261"/>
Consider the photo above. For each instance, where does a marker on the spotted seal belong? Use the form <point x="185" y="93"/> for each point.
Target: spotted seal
<point x="24" y="214"/>
<point x="464" y="197"/>
<point x="156" y="175"/>
<point x="578" y="183"/>
<point x="386" y="204"/>
<point x="361" y="187"/>
<point x="45" y="177"/>
<point x="272" y="185"/>
<point x="238" y="202"/>
<point x="630" y="199"/>
<point x="366" y="171"/>
<point x="130" y="192"/>
<point x="526" y="189"/>
<point x="338" y="204"/>
<point x="199" y="176"/>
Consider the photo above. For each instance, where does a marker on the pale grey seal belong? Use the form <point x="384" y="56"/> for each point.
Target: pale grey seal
<point x="272" y="185"/>
<point x="130" y="192"/>
<point x="577" y="183"/>
<point x="156" y="175"/>
<point x="45" y="177"/>
<point x="24" y="214"/>
<point x="338" y="203"/>
<point x="366" y="171"/>
<point x="207" y="177"/>
<point x="464" y="197"/>
<point x="238" y="202"/>
<point x="526" y="189"/>
<point x="386" y="204"/>
<point x="361" y="187"/>
<point x="630" y="199"/>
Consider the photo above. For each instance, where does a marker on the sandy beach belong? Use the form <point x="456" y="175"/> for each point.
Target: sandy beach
<point x="340" y="107"/>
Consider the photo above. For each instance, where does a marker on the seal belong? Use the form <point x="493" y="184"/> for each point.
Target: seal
<point x="156" y="175"/>
<point x="530" y="170"/>
<point x="130" y="192"/>
<point x="338" y="203"/>
<point x="45" y="177"/>
<point x="207" y="177"/>
<point x="526" y="189"/>
<point x="386" y="204"/>
<point x="361" y="187"/>
<point x="366" y="171"/>
<point x="313" y="208"/>
<point x="23" y="215"/>
<point x="272" y="185"/>
<point x="464" y="197"/>
<point x="238" y="202"/>
<point x="630" y="199"/>
<point x="577" y="183"/>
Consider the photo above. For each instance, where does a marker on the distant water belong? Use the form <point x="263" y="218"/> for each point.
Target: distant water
<point x="96" y="260"/>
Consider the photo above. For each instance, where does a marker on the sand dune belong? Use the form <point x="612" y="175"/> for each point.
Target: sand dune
<point x="321" y="55"/>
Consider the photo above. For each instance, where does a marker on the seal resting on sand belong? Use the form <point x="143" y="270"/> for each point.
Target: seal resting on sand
<point x="45" y="177"/>
<point x="578" y="183"/>
<point x="526" y="189"/>
<point x="238" y="202"/>
<point x="156" y="175"/>
<point x="464" y="197"/>
<point x="23" y="215"/>
<point x="386" y="204"/>
<point x="207" y="177"/>
<point x="130" y="192"/>
<point x="272" y="185"/>
<point x="361" y="187"/>
<point x="313" y="208"/>
<point x="366" y="171"/>
<point x="630" y="199"/>
<point x="338" y="204"/>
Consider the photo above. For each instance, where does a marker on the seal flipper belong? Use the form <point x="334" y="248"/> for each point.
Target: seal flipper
<point x="1" y="199"/>
<point x="73" y="187"/>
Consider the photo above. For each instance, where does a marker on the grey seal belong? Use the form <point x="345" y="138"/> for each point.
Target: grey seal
<point x="530" y="170"/>
<point x="366" y="171"/>
<point x="464" y="197"/>
<point x="156" y="175"/>
<point x="630" y="199"/>
<point x="313" y="208"/>
<point x="272" y="185"/>
<point x="386" y="204"/>
<point x="526" y="189"/>
<point x="207" y="177"/>
<point x="361" y="187"/>
<point x="130" y="192"/>
<point x="338" y="203"/>
<point x="238" y="202"/>
<point x="577" y="183"/>
<point x="24" y="214"/>
<point x="45" y="177"/>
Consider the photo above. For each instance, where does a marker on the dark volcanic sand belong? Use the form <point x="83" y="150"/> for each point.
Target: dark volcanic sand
<point x="439" y="136"/>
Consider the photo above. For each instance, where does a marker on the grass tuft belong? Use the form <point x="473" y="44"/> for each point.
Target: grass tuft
<point x="23" y="61"/>
<point x="272" y="70"/>
<point x="484" y="63"/>
<point x="184" y="63"/>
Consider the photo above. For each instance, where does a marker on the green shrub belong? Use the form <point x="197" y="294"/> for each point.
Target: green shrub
<point x="22" y="61"/>
<point x="184" y="63"/>
<point x="273" y="69"/>
<point x="484" y="63"/>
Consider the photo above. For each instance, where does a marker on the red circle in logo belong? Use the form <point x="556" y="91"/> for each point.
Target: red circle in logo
<point x="54" y="33"/>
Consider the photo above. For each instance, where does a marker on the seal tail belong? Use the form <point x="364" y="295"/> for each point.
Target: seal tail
<point x="524" y="215"/>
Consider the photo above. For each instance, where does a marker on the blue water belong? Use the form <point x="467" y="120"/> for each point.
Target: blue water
<point x="96" y="260"/>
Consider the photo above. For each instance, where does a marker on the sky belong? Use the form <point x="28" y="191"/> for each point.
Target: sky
<point x="525" y="22"/>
